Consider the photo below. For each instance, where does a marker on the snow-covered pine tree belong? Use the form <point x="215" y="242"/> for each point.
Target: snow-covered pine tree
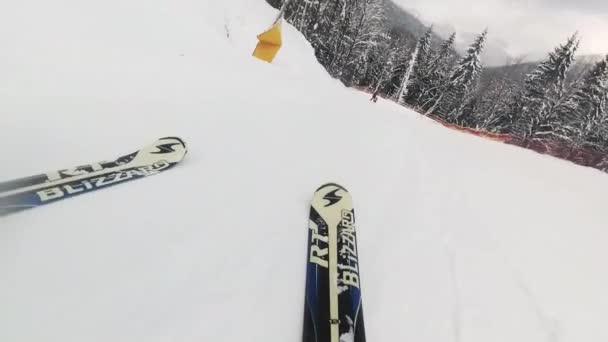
<point x="343" y="38"/>
<point x="275" y="3"/>
<point x="584" y="112"/>
<point x="441" y="59"/>
<point x="441" y="62"/>
<point x="329" y="30"/>
<point x="498" y="88"/>
<point x="381" y="66"/>
<point x="306" y="20"/>
<point x="495" y="105"/>
<point x="468" y="109"/>
<point x="599" y="136"/>
<point x="298" y="13"/>
<point x="417" y="65"/>
<point x="314" y="19"/>
<point x="544" y="91"/>
<point x="366" y="34"/>
<point x="402" y="48"/>
<point x="462" y="80"/>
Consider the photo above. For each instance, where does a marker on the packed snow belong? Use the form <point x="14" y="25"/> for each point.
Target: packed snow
<point x="460" y="238"/>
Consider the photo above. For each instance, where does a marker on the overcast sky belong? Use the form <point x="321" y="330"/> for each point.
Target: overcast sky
<point x="522" y="27"/>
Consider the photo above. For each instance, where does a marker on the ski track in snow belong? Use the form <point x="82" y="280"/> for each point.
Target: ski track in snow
<point x="460" y="238"/>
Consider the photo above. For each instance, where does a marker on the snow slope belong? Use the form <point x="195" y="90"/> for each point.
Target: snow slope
<point x="461" y="239"/>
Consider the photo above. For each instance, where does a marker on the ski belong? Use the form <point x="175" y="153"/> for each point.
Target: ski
<point x="34" y="191"/>
<point x="333" y="308"/>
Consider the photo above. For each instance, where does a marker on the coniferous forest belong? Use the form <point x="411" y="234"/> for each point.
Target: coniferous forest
<point x="555" y="105"/>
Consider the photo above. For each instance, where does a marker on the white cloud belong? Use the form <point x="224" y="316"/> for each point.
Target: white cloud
<point x="529" y="27"/>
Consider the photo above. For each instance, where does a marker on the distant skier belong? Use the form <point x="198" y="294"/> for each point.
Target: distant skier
<point x="374" y="98"/>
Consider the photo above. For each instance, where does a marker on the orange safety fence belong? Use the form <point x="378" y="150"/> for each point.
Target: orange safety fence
<point x="578" y="155"/>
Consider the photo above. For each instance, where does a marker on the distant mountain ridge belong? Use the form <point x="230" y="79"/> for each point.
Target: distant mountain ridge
<point x="399" y="18"/>
<point x="494" y="54"/>
<point x="519" y="70"/>
<point x="411" y="25"/>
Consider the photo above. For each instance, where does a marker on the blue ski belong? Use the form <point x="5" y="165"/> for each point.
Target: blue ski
<point x="50" y="187"/>
<point x="333" y="309"/>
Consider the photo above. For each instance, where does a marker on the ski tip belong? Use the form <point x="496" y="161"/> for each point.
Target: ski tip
<point x="175" y="138"/>
<point x="331" y="184"/>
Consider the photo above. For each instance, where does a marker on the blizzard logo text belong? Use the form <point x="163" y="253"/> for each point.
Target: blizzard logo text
<point x="348" y="264"/>
<point x="78" y="171"/>
<point x="85" y="185"/>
